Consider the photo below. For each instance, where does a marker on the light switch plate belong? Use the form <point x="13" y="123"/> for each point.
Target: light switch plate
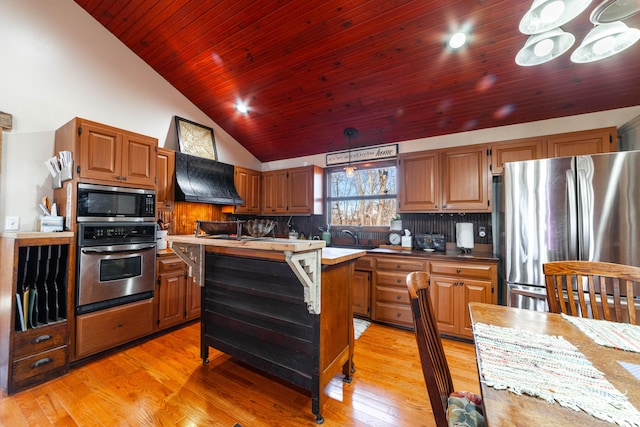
<point x="12" y="223"/>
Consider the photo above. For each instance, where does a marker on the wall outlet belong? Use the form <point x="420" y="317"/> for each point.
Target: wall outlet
<point x="482" y="232"/>
<point x="12" y="223"/>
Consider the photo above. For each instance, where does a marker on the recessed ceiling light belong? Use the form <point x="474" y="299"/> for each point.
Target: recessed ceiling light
<point x="458" y="40"/>
<point x="241" y="107"/>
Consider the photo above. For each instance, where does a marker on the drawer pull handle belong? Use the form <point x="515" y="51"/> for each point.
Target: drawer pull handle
<point x="458" y="271"/>
<point x="119" y="325"/>
<point x="398" y="315"/>
<point x="399" y="280"/>
<point x="398" y="266"/>
<point x="41" y="362"/>
<point x="38" y="340"/>
<point x="173" y="265"/>
<point x="398" y="296"/>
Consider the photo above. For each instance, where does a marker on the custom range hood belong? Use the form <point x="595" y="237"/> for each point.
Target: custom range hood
<point x="205" y="181"/>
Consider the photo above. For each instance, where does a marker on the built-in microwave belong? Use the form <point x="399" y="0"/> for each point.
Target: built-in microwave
<point x="106" y="203"/>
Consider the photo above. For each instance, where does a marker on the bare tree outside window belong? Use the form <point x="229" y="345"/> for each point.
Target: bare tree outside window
<point x="368" y="198"/>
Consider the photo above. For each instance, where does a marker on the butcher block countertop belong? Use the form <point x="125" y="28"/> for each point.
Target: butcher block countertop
<point x="330" y="256"/>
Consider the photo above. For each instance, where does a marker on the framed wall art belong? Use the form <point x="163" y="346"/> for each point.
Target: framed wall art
<point x="195" y="139"/>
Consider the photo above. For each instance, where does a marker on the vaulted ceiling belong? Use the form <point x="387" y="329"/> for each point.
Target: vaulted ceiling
<point x="308" y="69"/>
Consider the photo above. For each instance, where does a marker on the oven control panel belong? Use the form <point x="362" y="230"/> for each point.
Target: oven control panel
<point x="115" y="233"/>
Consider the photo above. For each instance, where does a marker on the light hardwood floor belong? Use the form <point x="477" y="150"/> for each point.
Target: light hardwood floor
<point x="163" y="382"/>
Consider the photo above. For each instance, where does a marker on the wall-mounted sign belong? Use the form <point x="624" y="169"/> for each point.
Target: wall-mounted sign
<point x="362" y="154"/>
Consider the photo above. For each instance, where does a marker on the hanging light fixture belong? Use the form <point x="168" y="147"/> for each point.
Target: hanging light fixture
<point x="604" y="41"/>
<point x="350" y="133"/>
<point x="540" y="48"/>
<point x="614" y="10"/>
<point x="545" y="15"/>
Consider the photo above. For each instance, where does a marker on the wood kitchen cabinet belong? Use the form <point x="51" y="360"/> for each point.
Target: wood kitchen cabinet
<point x="165" y="173"/>
<point x="391" y="302"/>
<point x="455" y="180"/>
<point x="104" y="154"/>
<point x="515" y="151"/>
<point x="178" y="299"/>
<point x="296" y="191"/>
<point x="361" y="285"/>
<point x="453" y="285"/>
<point x="248" y="184"/>
<point x="592" y="141"/>
<point x="36" y="270"/>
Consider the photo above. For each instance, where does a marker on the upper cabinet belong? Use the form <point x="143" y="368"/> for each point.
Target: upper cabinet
<point x="107" y="155"/>
<point x="296" y="191"/>
<point x="594" y="141"/>
<point x="248" y="185"/>
<point x="165" y="172"/>
<point x="454" y="180"/>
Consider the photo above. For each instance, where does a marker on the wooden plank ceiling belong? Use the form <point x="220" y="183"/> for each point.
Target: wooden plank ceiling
<point x="308" y="69"/>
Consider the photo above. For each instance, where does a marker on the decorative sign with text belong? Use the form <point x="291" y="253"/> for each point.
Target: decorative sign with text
<point x="362" y="154"/>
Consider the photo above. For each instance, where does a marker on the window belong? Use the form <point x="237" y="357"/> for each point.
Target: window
<point x="368" y="198"/>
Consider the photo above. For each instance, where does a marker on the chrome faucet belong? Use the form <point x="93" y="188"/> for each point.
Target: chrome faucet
<point x="352" y="234"/>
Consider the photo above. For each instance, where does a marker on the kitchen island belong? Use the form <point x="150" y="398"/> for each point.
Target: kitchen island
<point x="282" y="306"/>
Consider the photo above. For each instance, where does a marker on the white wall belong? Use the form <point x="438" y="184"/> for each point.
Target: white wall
<point x="57" y="63"/>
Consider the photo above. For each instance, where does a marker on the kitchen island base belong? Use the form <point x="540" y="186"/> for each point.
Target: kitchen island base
<point x="254" y="309"/>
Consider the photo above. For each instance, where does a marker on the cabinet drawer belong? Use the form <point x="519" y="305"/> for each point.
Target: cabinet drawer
<point x="114" y="326"/>
<point x="392" y="279"/>
<point x="37" y="340"/>
<point x="477" y="271"/>
<point x="395" y="264"/>
<point x="170" y="264"/>
<point x="39" y="364"/>
<point x="394" y="313"/>
<point x="392" y="294"/>
<point x="364" y="263"/>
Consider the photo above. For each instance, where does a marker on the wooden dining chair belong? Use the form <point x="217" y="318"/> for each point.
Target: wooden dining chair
<point x="449" y="408"/>
<point x="577" y="288"/>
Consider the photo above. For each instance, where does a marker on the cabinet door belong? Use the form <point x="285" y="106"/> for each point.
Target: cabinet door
<point x="100" y="153"/>
<point x="465" y="183"/>
<point x="171" y="299"/>
<point x="165" y="173"/>
<point x="361" y="284"/>
<point x="274" y="192"/>
<point x="300" y="191"/>
<point x="593" y="141"/>
<point x="515" y="151"/>
<point x="471" y="291"/>
<point x="193" y="299"/>
<point x="247" y="184"/>
<point x="419" y="182"/>
<point x="443" y="298"/>
<point x="139" y="160"/>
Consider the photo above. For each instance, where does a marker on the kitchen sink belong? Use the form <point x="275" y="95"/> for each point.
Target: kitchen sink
<point x="361" y="247"/>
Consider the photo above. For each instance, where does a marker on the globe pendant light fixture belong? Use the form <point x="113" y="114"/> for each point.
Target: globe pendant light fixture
<point x="540" y="48"/>
<point x="545" y="15"/>
<point x="604" y="41"/>
<point x="350" y="133"/>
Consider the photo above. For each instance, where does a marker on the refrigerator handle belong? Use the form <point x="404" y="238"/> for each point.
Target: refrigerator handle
<point x="572" y="212"/>
<point x="583" y="197"/>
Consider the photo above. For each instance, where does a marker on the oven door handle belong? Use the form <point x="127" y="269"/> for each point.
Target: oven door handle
<point x="118" y="248"/>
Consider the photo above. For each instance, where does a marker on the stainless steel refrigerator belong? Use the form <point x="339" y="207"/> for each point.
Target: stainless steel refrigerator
<point x="569" y="208"/>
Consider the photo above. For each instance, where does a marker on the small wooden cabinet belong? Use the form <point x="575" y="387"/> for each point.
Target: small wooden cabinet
<point x="249" y="186"/>
<point x="361" y="285"/>
<point x="444" y="180"/>
<point x="35" y="272"/>
<point x="453" y="285"/>
<point x="391" y="299"/>
<point x="297" y="191"/>
<point x="165" y="173"/>
<point x="593" y="141"/>
<point x="107" y="155"/>
<point x="178" y="299"/>
<point x="515" y="151"/>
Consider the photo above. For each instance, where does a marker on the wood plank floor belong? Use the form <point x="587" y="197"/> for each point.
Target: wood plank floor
<point x="163" y="382"/>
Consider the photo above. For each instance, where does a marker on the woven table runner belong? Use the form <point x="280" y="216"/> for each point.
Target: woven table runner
<point x="551" y="368"/>
<point x="623" y="336"/>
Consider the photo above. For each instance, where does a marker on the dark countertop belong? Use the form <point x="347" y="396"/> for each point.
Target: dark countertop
<point x="449" y="255"/>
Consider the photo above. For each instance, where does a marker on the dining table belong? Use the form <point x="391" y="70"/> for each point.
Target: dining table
<point x="504" y="336"/>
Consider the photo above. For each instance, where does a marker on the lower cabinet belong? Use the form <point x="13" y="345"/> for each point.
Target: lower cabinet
<point x="391" y="298"/>
<point x="453" y="285"/>
<point x="178" y="299"/>
<point x="361" y="287"/>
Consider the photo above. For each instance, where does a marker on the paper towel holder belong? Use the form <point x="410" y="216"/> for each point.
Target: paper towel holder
<point x="464" y="237"/>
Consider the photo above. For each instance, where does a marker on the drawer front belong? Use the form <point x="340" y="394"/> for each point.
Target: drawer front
<point x="392" y="279"/>
<point x="168" y="265"/>
<point x="41" y="339"/>
<point x="108" y="328"/>
<point x="392" y="294"/>
<point x="364" y="263"/>
<point x="39" y="364"/>
<point x="477" y="271"/>
<point x="394" y="313"/>
<point x="395" y="264"/>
